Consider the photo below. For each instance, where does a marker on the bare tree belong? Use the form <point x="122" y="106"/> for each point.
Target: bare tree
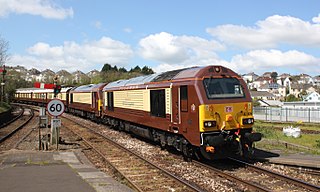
<point x="4" y="47"/>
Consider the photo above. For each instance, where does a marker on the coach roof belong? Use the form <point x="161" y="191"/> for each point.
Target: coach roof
<point x="87" y="88"/>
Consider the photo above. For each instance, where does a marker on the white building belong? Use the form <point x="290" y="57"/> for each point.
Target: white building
<point x="313" y="97"/>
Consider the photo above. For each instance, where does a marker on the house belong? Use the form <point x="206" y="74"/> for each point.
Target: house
<point x="260" y="81"/>
<point x="262" y="95"/>
<point x="304" y="78"/>
<point x="316" y="81"/>
<point x="250" y="77"/>
<point x="296" y="89"/>
<point x="303" y="105"/>
<point x="270" y="103"/>
<point x="284" y="81"/>
<point x="312" y="97"/>
<point x="267" y="74"/>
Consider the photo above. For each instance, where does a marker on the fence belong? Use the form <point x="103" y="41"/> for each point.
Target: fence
<point x="287" y="114"/>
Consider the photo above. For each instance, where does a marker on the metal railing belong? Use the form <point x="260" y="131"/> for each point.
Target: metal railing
<point x="287" y="114"/>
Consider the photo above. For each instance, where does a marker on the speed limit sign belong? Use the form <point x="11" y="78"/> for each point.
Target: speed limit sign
<point x="55" y="107"/>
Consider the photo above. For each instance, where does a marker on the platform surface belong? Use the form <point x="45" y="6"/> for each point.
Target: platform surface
<point x="296" y="159"/>
<point x="32" y="171"/>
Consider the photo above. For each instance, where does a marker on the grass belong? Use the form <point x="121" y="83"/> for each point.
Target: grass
<point x="270" y="133"/>
<point x="303" y="126"/>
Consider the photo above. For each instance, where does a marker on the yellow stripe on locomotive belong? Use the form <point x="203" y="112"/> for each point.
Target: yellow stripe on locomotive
<point x="216" y="117"/>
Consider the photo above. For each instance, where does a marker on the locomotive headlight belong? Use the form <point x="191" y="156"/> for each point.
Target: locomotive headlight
<point x="248" y="121"/>
<point x="209" y="123"/>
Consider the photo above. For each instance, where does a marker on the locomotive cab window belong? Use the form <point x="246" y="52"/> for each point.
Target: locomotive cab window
<point x="223" y="88"/>
<point x="184" y="98"/>
<point x="158" y="103"/>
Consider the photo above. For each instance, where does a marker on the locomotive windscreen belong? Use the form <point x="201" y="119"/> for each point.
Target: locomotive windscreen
<point x="223" y="88"/>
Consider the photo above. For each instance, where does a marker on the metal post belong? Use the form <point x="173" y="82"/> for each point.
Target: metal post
<point x="2" y="98"/>
<point x="39" y="133"/>
<point x="266" y="113"/>
<point x="55" y="129"/>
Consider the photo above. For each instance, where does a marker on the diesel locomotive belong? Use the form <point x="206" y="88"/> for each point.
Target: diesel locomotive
<point x="200" y="111"/>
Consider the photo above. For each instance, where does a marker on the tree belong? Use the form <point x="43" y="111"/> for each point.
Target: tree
<point x="4" y="47"/>
<point x="274" y="76"/>
<point x="106" y="67"/>
<point x="147" y="70"/>
<point x="123" y="70"/>
<point x="136" y="69"/>
<point x="291" y="98"/>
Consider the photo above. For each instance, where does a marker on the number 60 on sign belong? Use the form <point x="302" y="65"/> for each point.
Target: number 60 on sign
<point x="55" y="107"/>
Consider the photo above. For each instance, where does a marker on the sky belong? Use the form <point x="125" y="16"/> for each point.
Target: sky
<point x="244" y="35"/>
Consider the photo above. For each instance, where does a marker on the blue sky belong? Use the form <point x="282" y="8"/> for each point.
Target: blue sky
<point x="246" y="36"/>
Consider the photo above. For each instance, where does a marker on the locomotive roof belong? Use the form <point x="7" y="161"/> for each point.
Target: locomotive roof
<point x="87" y="88"/>
<point x="165" y="76"/>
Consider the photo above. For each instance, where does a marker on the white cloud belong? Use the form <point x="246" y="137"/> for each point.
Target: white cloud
<point x="270" y="33"/>
<point x="72" y="56"/>
<point x="192" y="63"/>
<point x="316" y="19"/>
<point x="45" y="8"/>
<point x="167" y="48"/>
<point x="262" y="60"/>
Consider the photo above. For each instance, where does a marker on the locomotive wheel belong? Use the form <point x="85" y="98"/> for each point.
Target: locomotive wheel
<point x="187" y="152"/>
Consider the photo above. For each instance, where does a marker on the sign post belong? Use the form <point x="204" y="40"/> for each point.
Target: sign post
<point x="55" y="108"/>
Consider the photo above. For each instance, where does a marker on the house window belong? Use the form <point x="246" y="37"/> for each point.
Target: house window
<point x="158" y="103"/>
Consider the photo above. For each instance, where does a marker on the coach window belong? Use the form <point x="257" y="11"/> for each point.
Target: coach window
<point x="158" y="103"/>
<point x="184" y="98"/>
<point x="110" y="101"/>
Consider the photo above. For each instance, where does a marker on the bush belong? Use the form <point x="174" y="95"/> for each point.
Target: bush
<point x="318" y="143"/>
<point x="4" y="107"/>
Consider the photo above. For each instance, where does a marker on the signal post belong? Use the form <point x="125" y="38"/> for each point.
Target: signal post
<point x="55" y="108"/>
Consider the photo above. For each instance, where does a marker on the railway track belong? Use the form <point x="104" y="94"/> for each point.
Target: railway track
<point x="302" y="169"/>
<point x="9" y="130"/>
<point x="293" y="181"/>
<point x="141" y="174"/>
<point x="130" y="171"/>
<point x="18" y="112"/>
<point x="249" y="185"/>
<point x="245" y="179"/>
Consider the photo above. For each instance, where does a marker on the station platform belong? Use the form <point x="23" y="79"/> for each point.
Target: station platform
<point x="296" y="159"/>
<point x="32" y="171"/>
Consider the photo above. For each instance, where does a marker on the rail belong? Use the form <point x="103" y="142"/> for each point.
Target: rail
<point x="115" y="159"/>
<point x="11" y="132"/>
<point x="297" y="182"/>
